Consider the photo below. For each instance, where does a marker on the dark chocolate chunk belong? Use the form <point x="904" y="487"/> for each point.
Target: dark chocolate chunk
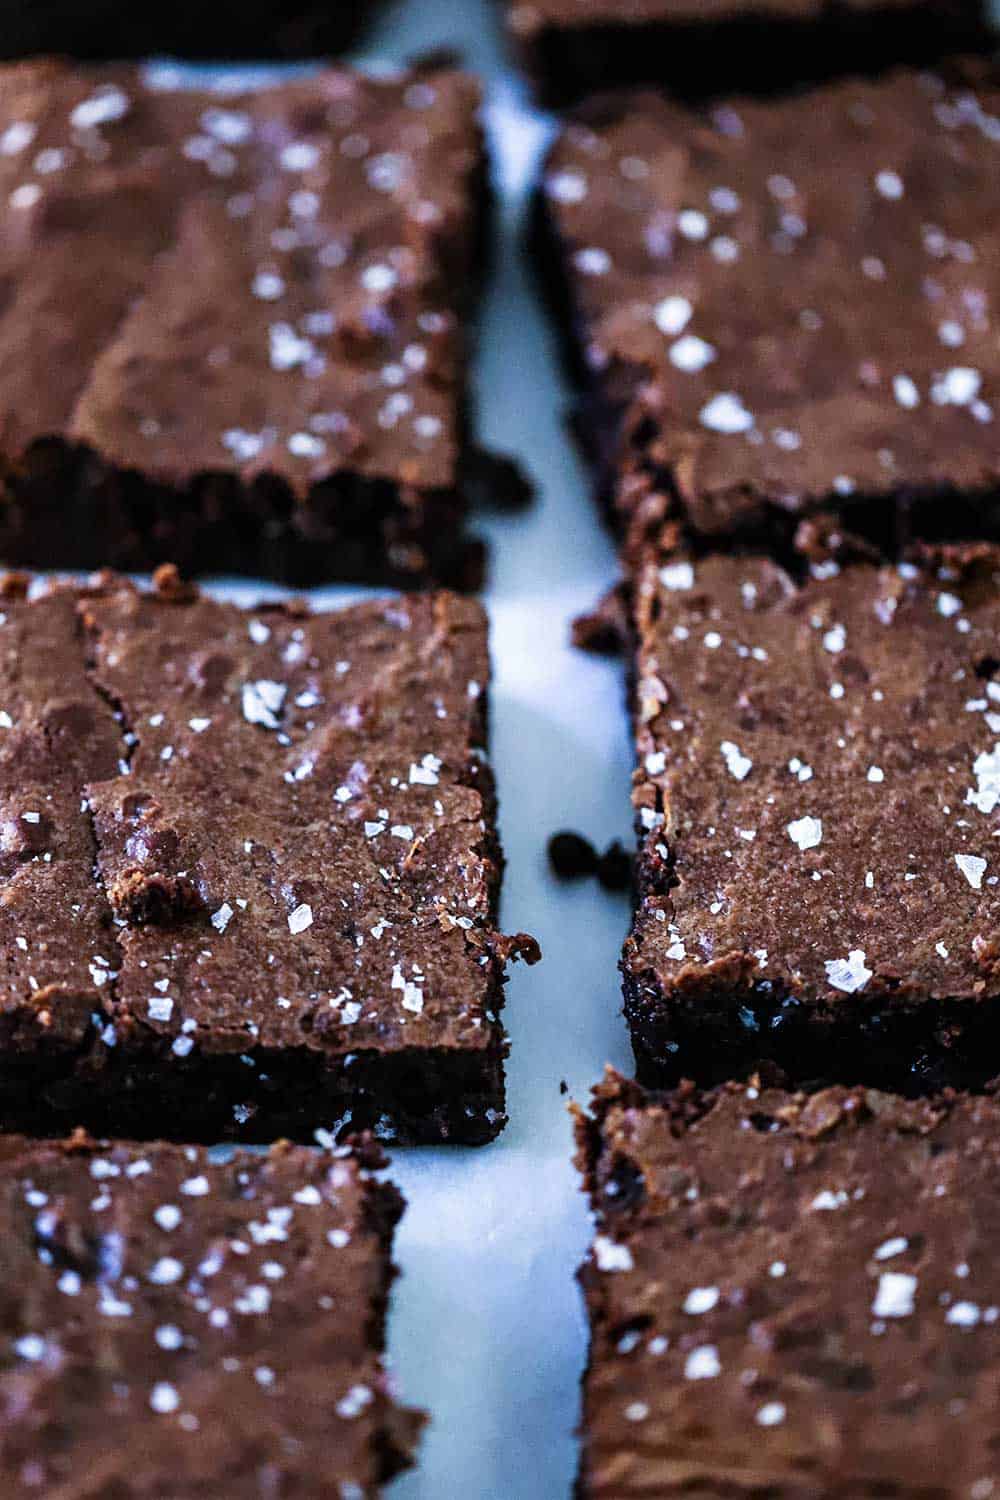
<point x="571" y="856"/>
<point x="496" y="480"/>
<point x="614" y="867"/>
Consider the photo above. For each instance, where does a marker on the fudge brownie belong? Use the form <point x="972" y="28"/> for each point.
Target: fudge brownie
<point x="250" y="868"/>
<point x="223" y="1321"/>
<point x="257" y="29"/>
<point x="791" y="1297"/>
<point x="697" y="48"/>
<point x="818" y="804"/>
<point x="788" y="305"/>
<point x="233" y="328"/>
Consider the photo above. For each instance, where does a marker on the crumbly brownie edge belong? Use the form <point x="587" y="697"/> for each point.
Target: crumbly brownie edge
<point x="700" y="59"/>
<point x="384" y="1205"/>
<point x="63" y="507"/>
<point x="613" y="1092"/>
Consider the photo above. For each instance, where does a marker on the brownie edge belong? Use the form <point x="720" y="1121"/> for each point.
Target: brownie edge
<point x="574" y="48"/>
<point x="790" y="1296"/>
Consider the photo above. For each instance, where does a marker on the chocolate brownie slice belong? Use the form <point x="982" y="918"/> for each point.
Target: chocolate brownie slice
<point x="250" y="868"/>
<point x="780" y="306"/>
<point x="818" y="802"/>
<point x="791" y="1297"/>
<point x="255" y="29"/>
<point x="225" y="1320"/>
<point x="702" y="47"/>
<point x="234" y="329"/>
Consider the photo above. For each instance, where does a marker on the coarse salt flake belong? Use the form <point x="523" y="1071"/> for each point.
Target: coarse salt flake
<point x="805" y="832"/>
<point x="702" y="1363"/>
<point x="895" y="1295"/>
<point x="848" y="974"/>
<point x="973" y="868"/>
<point x="300" y="918"/>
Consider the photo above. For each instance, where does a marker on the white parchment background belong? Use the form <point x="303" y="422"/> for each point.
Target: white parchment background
<point x="487" y="1331"/>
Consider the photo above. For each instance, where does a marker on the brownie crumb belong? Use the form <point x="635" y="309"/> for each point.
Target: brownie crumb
<point x="614" y="867"/>
<point x="572" y="856"/>
<point x="496" y="481"/>
<point x="433" y="59"/>
<point x="604" y="631"/>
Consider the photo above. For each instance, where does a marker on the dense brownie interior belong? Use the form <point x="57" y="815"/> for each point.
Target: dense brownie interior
<point x="696" y="49"/>
<point x="255" y="29"/>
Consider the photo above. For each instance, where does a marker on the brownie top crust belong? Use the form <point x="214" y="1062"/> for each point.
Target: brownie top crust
<point x="817" y="786"/>
<point x="224" y="1319"/>
<point x="797" y="295"/>
<point x="791" y="1296"/>
<point x="292" y="824"/>
<point x="266" y="283"/>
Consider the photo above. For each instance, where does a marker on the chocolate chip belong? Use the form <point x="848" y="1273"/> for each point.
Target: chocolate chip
<point x="572" y="856"/>
<point x="614" y="868"/>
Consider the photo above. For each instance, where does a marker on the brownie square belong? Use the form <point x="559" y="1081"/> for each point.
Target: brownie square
<point x="790" y="1297"/>
<point x="818" y="802"/>
<point x="224" y="1320"/>
<point x="697" y="48"/>
<point x="234" y="334"/>
<point x="785" y="306"/>
<point x="227" y="29"/>
<point x="250" y="868"/>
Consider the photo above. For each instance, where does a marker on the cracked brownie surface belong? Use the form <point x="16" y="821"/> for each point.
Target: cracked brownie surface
<point x="228" y="1317"/>
<point x="234" y="329"/>
<point x="253" y="866"/>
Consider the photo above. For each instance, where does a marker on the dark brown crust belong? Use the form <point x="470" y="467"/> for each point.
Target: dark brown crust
<point x="173" y="431"/>
<point x="128" y="1255"/>
<point x="252" y="29"/>
<point x="790" y="1296"/>
<point x="744" y="49"/>
<point x="406" y="1039"/>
